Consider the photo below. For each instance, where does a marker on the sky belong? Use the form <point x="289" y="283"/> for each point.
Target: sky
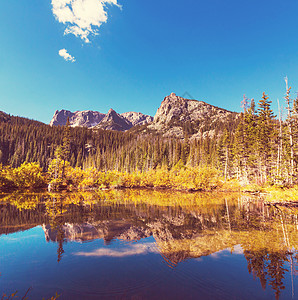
<point x="130" y="54"/>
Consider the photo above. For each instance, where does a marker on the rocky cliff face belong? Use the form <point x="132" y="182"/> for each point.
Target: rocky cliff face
<point x="95" y="119"/>
<point x="114" y="121"/>
<point x="178" y="117"/>
<point x="137" y="118"/>
<point x="85" y="118"/>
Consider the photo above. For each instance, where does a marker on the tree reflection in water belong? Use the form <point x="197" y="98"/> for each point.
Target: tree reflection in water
<point x="184" y="226"/>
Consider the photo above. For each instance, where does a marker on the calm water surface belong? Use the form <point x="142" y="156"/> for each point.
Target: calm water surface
<point x="147" y="245"/>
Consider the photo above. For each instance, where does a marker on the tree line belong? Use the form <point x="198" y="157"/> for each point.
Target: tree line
<point x="256" y="146"/>
<point x="263" y="147"/>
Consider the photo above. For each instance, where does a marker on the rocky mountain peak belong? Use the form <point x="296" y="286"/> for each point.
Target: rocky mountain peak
<point x="173" y="98"/>
<point x="111" y="113"/>
<point x="114" y="121"/>
<point x="86" y="118"/>
<point x="111" y="110"/>
<point x="173" y="107"/>
<point x="112" y="116"/>
<point x="178" y="117"/>
<point x="60" y="117"/>
<point x="137" y="118"/>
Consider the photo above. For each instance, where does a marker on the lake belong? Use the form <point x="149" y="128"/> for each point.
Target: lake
<point x="142" y="244"/>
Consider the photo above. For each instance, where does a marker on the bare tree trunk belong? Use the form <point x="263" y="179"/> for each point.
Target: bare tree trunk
<point x="226" y="163"/>
<point x="280" y="144"/>
<point x="288" y="100"/>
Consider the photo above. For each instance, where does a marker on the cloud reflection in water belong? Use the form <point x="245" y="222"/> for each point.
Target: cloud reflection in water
<point x="131" y="250"/>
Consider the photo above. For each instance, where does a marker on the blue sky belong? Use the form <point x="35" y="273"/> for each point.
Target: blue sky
<point x="215" y="50"/>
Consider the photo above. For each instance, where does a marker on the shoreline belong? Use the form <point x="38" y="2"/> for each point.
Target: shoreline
<point x="290" y="201"/>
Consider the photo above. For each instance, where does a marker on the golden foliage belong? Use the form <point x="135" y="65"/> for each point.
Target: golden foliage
<point x="57" y="167"/>
<point x="28" y="175"/>
<point x="282" y="195"/>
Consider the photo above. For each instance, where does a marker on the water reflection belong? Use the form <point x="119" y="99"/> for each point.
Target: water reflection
<point x="129" y="250"/>
<point x="184" y="226"/>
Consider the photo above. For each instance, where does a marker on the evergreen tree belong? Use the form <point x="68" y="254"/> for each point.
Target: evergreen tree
<point x="265" y="137"/>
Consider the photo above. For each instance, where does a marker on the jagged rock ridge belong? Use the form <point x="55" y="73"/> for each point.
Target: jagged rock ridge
<point x="86" y="118"/>
<point x="178" y="117"/>
<point x="94" y="119"/>
<point x="114" y="121"/>
<point x="137" y="118"/>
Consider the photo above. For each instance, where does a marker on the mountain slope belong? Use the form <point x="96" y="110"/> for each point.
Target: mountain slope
<point x="114" y="121"/>
<point x="110" y="121"/>
<point x="179" y="117"/>
<point x="137" y="118"/>
<point x="176" y="117"/>
<point x="4" y="117"/>
<point x="86" y="118"/>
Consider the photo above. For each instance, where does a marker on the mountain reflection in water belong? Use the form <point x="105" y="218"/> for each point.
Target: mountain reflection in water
<point x="184" y="226"/>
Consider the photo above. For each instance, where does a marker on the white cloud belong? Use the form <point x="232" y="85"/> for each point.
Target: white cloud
<point x="82" y="17"/>
<point x="63" y="53"/>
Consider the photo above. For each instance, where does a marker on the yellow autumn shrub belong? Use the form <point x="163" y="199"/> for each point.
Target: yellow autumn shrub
<point x="162" y="178"/>
<point x="28" y="175"/>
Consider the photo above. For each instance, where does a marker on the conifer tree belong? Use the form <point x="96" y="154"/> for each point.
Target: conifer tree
<point x="224" y="152"/>
<point x="265" y="136"/>
<point x="66" y="146"/>
<point x="249" y="132"/>
<point x="239" y="150"/>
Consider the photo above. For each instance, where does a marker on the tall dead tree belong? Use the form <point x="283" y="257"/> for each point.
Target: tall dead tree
<point x="290" y="129"/>
<point x="280" y="144"/>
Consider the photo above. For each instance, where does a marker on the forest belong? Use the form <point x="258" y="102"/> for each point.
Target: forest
<point x="258" y="147"/>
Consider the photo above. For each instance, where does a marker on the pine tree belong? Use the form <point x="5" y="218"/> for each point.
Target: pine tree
<point x="265" y="136"/>
<point x="239" y="149"/>
<point x="66" y="146"/>
<point x="249" y="132"/>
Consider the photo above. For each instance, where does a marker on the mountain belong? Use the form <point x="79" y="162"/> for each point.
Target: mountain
<point x="176" y="117"/>
<point x="180" y="117"/>
<point x="114" y="121"/>
<point x="137" y="118"/>
<point x="109" y="121"/>
<point x="86" y="118"/>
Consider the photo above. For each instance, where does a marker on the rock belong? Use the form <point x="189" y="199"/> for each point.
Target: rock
<point x="60" y="117"/>
<point x="86" y="118"/>
<point x="178" y="117"/>
<point x="137" y="118"/>
<point x="92" y="119"/>
<point x="114" y="121"/>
